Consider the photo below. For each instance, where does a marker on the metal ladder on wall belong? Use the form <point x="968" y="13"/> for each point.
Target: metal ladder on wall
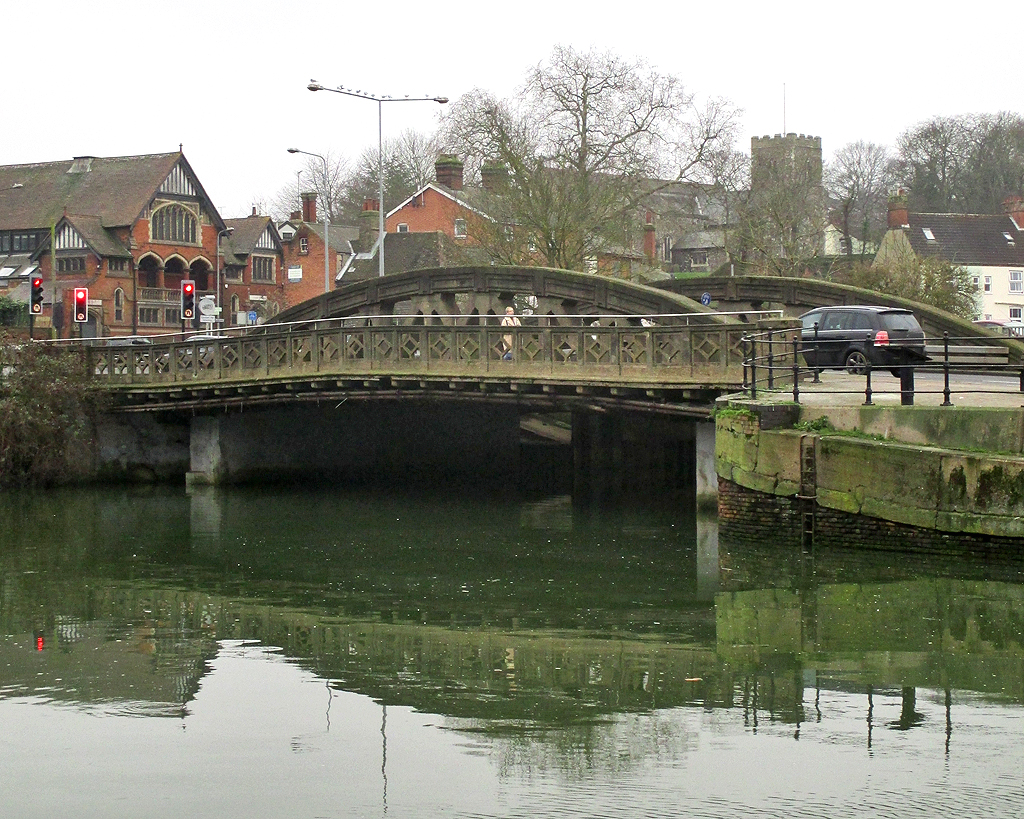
<point x="808" y="492"/>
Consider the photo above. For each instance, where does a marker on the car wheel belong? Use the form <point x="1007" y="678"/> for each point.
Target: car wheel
<point x="856" y="362"/>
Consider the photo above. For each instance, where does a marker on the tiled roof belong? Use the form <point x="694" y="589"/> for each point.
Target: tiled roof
<point x="968" y="239"/>
<point x="409" y="251"/>
<point x="97" y="237"/>
<point x="115" y="190"/>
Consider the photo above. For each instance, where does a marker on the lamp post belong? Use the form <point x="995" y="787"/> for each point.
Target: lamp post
<point x="225" y="232"/>
<point x="380" y="100"/>
<point x="327" y="218"/>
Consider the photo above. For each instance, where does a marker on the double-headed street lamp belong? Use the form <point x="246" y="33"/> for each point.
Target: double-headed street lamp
<point x="327" y="218"/>
<point x="380" y="100"/>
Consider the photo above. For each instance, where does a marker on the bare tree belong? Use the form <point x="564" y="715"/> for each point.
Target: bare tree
<point x="328" y="184"/>
<point x="858" y="180"/>
<point x="578" y="146"/>
<point x="963" y="164"/>
<point x="408" y="164"/>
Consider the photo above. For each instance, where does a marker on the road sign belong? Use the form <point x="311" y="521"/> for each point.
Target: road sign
<point x="705" y="299"/>
<point x="252" y="317"/>
<point x="208" y="306"/>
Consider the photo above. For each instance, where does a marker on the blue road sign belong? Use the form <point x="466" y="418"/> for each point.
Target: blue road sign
<point x="252" y="316"/>
<point x="705" y="299"/>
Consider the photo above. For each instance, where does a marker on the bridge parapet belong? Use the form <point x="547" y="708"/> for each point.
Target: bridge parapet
<point x="707" y="356"/>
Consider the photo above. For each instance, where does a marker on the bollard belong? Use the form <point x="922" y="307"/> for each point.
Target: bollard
<point x="907" y="385"/>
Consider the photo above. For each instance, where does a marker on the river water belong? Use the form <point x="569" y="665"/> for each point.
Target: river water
<point x="316" y="652"/>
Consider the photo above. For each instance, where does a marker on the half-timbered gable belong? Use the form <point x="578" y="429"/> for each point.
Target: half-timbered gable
<point x="254" y="275"/>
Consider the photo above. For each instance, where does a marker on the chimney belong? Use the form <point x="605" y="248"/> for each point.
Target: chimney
<point x="369" y="228"/>
<point x="1013" y="206"/>
<point x="898" y="215"/>
<point x="253" y="210"/>
<point x="448" y="170"/>
<point x="309" y="206"/>
<point x="493" y="175"/>
<point x="649" y="237"/>
<point x="296" y="215"/>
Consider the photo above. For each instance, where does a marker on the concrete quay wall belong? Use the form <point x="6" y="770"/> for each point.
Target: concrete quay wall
<point x="947" y="471"/>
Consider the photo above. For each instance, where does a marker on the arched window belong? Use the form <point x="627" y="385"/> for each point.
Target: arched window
<point x="119" y="306"/>
<point x="174" y="224"/>
<point x="234" y="307"/>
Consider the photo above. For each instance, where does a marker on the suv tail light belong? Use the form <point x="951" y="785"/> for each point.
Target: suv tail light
<point x="882" y="338"/>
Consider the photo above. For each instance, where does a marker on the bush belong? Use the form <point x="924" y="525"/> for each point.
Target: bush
<point x="44" y="415"/>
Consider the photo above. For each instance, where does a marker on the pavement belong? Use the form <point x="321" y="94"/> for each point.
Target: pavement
<point x="966" y="390"/>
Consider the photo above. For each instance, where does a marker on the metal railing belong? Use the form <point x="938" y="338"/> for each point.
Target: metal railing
<point x="774" y="360"/>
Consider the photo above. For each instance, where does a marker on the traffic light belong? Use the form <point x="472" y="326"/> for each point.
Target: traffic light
<point x="188" y="299"/>
<point x="36" y="305"/>
<point x="81" y="304"/>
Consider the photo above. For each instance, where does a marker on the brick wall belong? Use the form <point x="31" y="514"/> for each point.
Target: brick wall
<point x="749" y="517"/>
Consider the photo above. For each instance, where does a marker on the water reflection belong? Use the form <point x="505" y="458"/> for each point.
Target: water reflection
<point x="585" y="661"/>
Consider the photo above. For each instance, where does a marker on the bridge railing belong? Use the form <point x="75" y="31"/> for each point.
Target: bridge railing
<point x="671" y="354"/>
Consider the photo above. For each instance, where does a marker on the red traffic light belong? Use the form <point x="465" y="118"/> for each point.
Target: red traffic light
<point x="81" y="304"/>
<point x="36" y="302"/>
<point x="188" y="299"/>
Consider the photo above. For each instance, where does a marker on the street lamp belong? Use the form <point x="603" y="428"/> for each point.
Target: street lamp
<point x="380" y="100"/>
<point x="327" y="219"/>
<point x="225" y="232"/>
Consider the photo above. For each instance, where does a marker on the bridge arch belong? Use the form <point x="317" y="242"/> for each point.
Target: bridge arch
<point x="795" y="296"/>
<point x="481" y="293"/>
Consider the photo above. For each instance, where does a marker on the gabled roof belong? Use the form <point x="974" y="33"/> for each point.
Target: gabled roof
<point x="409" y="251"/>
<point x="92" y="232"/>
<point x="245" y="236"/>
<point x="466" y="198"/>
<point x="966" y="239"/>
<point x="114" y="190"/>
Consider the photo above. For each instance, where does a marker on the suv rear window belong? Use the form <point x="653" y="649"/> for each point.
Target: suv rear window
<point x="900" y="321"/>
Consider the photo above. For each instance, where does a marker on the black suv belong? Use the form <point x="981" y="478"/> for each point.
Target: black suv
<point x="848" y="336"/>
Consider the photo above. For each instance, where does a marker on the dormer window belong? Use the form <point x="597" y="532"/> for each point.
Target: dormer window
<point x="928" y="235"/>
<point x="403" y="227"/>
<point x="1009" y="238"/>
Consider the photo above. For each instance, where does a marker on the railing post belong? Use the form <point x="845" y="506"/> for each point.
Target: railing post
<point x="753" y="369"/>
<point x="945" y="371"/>
<point x="745" y="341"/>
<point x="771" y="360"/>
<point x="796" y="369"/>
<point x="817" y="371"/>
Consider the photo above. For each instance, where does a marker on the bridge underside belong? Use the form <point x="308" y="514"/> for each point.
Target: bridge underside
<point x="597" y="456"/>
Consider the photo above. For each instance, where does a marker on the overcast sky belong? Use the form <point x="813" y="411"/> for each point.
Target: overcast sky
<point x="227" y="79"/>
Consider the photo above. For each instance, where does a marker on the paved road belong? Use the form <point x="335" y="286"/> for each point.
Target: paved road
<point x="838" y="387"/>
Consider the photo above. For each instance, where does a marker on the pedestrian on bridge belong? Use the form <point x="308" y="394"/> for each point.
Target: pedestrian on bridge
<point x="510" y="319"/>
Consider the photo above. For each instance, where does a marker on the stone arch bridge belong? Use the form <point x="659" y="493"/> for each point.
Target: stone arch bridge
<point x="583" y="339"/>
<point x="413" y="375"/>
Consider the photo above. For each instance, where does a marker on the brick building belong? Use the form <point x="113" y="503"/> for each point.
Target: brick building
<point x="303" y="244"/>
<point x="128" y="228"/>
